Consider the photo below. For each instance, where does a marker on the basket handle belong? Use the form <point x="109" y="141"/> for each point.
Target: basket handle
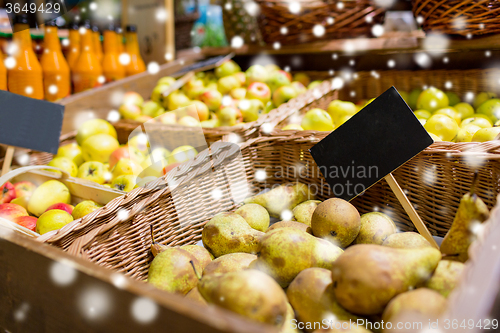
<point x="14" y="173"/>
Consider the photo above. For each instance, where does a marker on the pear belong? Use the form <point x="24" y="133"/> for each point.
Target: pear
<point x="337" y="221"/>
<point x="249" y="293"/>
<point x="290" y="224"/>
<point x="232" y="262"/>
<point x="303" y="212"/>
<point x="406" y="240"/>
<point x="425" y="303"/>
<point x="282" y="198"/>
<point x="255" y="215"/>
<point x="285" y="252"/>
<point x="199" y="252"/>
<point x="230" y="233"/>
<point x="311" y="296"/>
<point x="46" y="195"/>
<point x="446" y="277"/>
<point x="287" y="326"/>
<point x="471" y="212"/>
<point x="195" y="295"/>
<point x="375" y="228"/>
<point x="380" y="272"/>
<point x="174" y="270"/>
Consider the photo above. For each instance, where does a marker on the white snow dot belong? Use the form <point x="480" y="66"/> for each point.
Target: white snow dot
<point x="101" y="79"/>
<point x="481" y="26"/>
<point x="340" y="5"/>
<point x="260" y="175"/>
<point x="62" y="273"/>
<point x="168" y="56"/>
<point x="23" y="159"/>
<point x="53" y="89"/>
<point x="352" y="62"/>
<point x="286" y="215"/>
<point x="118" y="280"/>
<point x="369" y="19"/>
<point x="377" y="30"/>
<point x="28" y="90"/>
<point x="113" y="116"/>
<point x="331" y="72"/>
<point x="94" y="303"/>
<point x="376" y="209"/>
<point x="384" y="3"/>
<point x="429" y="176"/>
<point x="65" y="42"/>
<point x="252" y="8"/>
<point x="335" y="56"/>
<point x="469" y="36"/>
<point x="228" y="6"/>
<point x="82" y="30"/>
<point x="267" y="128"/>
<point x="423" y="60"/>
<point x="330" y="20"/>
<point x="420" y="19"/>
<point x="337" y="83"/>
<point x="487" y="53"/>
<point x="226" y="100"/>
<point x="446" y="60"/>
<point x="318" y="30"/>
<point x="93" y="6"/>
<point x="459" y="23"/>
<point x="284" y="30"/>
<point x="161" y="14"/>
<point x="124" y="59"/>
<point x="153" y="67"/>
<point x="144" y="310"/>
<point x="353" y="93"/>
<point x="469" y="96"/>
<point x="237" y="42"/>
<point x="294" y="7"/>
<point x="316" y="93"/>
<point x="448" y="84"/>
<point x="391" y="63"/>
<point x="10" y="62"/>
<point x="123" y="214"/>
<point x="436" y="43"/>
<point x="216" y="193"/>
<point x="21" y="313"/>
<point x="277" y="45"/>
<point x="494" y="247"/>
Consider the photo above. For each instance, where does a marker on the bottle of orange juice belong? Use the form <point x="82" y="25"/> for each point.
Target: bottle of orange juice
<point x="97" y="43"/>
<point x="111" y="66"/>
<point x="119" y="35"/>
<point x="136" y="64"/>
<point x="87" y="72"/>
<point x="56" y="76"/>
<point x="3" y="73"/>
<point x="74" y="46"/>
<point x="26" y="77"/>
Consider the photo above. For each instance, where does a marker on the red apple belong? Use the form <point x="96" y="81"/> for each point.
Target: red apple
<point x="29" y="222"/>
<point x="170" y="167"/>
<point x="62" y="206"/>
<point x="212" y="99"/>
<point x="128" y="152"/>
<point x="10" y="211"/>
<point x="24" y="189"/>
<point x="7" y="193"/>
<point x="241" y="78"/>
<point x="260" y="91"/>
<point x="288" y="75"/>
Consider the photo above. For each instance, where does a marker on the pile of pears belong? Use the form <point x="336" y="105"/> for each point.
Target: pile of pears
<point x="326" y="265"/>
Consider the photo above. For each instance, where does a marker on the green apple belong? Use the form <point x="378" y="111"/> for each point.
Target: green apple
<point x="182" y="154"/>
<point x="271" y="68"/>
<point x="84" y="208"/>
<point x="166" y="80"/>
<point x="211" y="123"/>
<point x="337" y="109"/>
<point x="486" y="134"/>
<point x="157" y="154"/>
<point x="477" y="119"/>
<point x="152" y="109"/>
<point x="423" y="114"/>
<point x="269" y="106"/>
<point x="52" y="220"/>
<point x="177" y="100"/>
<point x="260" y="91"/>
<point x="227" y="68"/>
<point x="465" y="109"/>
<point x="251" y="109"/>
<point x="314" y="84"/>
<point x="283" y="94"/>
<point x="129" y="111"/>
<point x="157" y="94"/>
<point x="452" y="98"/>
<point x="238" y="93"/>
<point x="153" y="168"/>
<point x="65" y="164"/>
<point x="228" y="116"/>
<point x="133" y="98"/>
<point x="299" y="87"/>
<point x="317" y="120"/>
<point x="47" y="194"/>
<point x="188" y="121"/>
<point x="278" y="79"/>
<point x="126" y="166"/>
<point x="198" y="110"/>
<point x="490" y="108"/>
<point x="228" y="83"/>
<point x="99" y="147"/>
<point x="93" y="127"/>
<point x="93" y="171"/>
<point x="483" y="97"/>
<point x="194" y="88"/>
<point x="212" y="99"/>
<point x="432" y="99"/>
<point x="256" y="73"/>
<point x="466" y="133"/>
<point x="413" y="98"/>
<point x="125" y="183"/>
<point x="302" y="78"/>
<point x="242" y="79"/>
<point x="71" y="151"/>
<point x="168" y="118"/>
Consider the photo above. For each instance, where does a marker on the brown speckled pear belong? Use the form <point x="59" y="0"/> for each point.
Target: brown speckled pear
<point x="229" y="233"/>
<point x="229" y="263"/>
<point x="337" y="221"/>
<point x="195" y="295"/>
<point x="249" y="293"/>
<point x="281" y="198"/>
<point x="199" y="252"/>
<point x="285" y="252"/>
<point x="172" y="270"/>
<point x="472" y="210"/>
<point x="406" y="240"/>
<point x="311" y="295"/>
<point x="303" y="212"/>
<point x="255" y="215"/>
<point x="290" y="224"/>
<point x="375" y="228"/>
<point x="446" y="277"/>
<point x="366" y="276"/>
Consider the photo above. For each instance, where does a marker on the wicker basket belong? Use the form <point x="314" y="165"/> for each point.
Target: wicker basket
<point x="183" y="26"/>
<point x="459" y="17"/>
<point x="340" y="19"/>
<point x="238" y="22"/>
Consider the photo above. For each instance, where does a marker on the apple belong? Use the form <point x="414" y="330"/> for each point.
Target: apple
<point x="283" y="94"/>
<point x="211" y="86"/>
<point x="126" y="166"/>
<point x="345" y="118"/>
<point x="483" y="97"/>
<point x="99" y="147"/>
<point x="479" y="120"/>
<point x="11" y="211"/>
<point x="52" y="220"/>
<point x="465" y="109"/>
<point x="125" y="152"/>
<point x="157" y="94"/>
<point x="260" y="91"/>
<point x="212" y="99"/>
<point x="84" y="208"/>
<point x="228" y="83"/>
<point x="242" y="79"/>
<point x="295" y="127"/>
<point x="62" y="206"/>
<point x="152" y="109"/>
<point x="299" y="87"/>
<point x="228" y="116"/>
<point x="194" y="88"/>
<point x="238" y="93"/>
<point x="21" y="201"/>
<point x="269" y="106"/>
<point x="227" y="68"/>
<point x="143" y="118"/>
<point x="490" y="108"/>
<point x="313" y="85"/>
<point x="256" y="73"/>
<point x="212" y="123"/>
<point x="93" y="127"/>
<point x="466" y="133"/>
<point x="337" y="109"/>
<point x="47" y="194"/>
<point x="153" y="168"/>
<point x="65" y="164"/>
<point x="302" y="78"/>
<point x="317" y="120"/>
<point x="133" y="98"/>
<point x="188" y="121"/>
<point x="452" y="97"/>
<point x="251" y="109"/>
<point x="271" y="68"/>
<point x="7" y="193"/>
<point x="182" y="154"/>
<point x="140" y="141"/>
<point x="71" y="151"/>
<point x="486" y="134"/>
<point x="278" y="79"/>
<point x="177" y="100"/>
<point x="29" y="222"/>
<point x="142" y="182"/>
<point x="93" y="171"/>
<point x="166" y="80"/>
<point x="168" y="118"/>
<point x="198" y="110"/>
<point x="125" y="183"/>
<point x="129" y="111"/>
<point x="170" y="167"/>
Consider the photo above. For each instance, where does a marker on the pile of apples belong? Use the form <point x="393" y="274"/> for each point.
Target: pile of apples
<point x="224" y="97"/>
<point x="98" y="157"/>
<point x="41" y="209"/>
<point x="443" y="115"/>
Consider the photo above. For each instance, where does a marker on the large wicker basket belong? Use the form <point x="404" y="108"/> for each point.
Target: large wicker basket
<point x="280" y="22"/>
<point x="239" y="23"/>
<point x="458" y="17"/>
<point x="183" y="26"/>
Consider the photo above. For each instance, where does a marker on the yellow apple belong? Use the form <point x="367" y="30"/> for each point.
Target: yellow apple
<point x="140" y="142"/>
<point x="47" y="194"/>
<point x="93" y="127"/>
<point x="486" y="134"/>
<point x="84" y="208"/>
<point x="182" y="154"/>
<point x="71" y="151"/>
<point x="126" y="166"/>
<point x="65" y="164"/>
<point x="93" y="171"/>
<point x="99" y="147"/>
<point x="338" y="109"/>
<point x="51" y="220"/>
<point x="124" y="183"/>
<point x="317" y="120"/>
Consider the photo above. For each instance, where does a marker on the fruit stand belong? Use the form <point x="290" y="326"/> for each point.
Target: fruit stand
<point x="200" y="192"/>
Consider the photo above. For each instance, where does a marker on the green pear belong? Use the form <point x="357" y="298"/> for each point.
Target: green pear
<point x="199" y="252"/>
<point x="230" y="233"/>
<point x="255" y="215"/>
<point x="337" y="221"/>
<point x="46" y="195"/>
<point x="232" y="262"/>
<point x="425" y="303"/>
<point x="380" y="272"/>
<point x="249" y="293"/>
<point x="287" y="326"/>
<point x="471" y="212"/>
<point x="446" y="277"/>
<point x="311" y="296"/>
<point x="290" y="224"/>
<point x="195" y="295"/>
<point x="285" y="252"/>
<point x="174" y="270"/>
<point x="406" y="240"/>
<point x="282" y="198"/>
<point x="303" y="212"/>
<point x="375" y="228"/>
